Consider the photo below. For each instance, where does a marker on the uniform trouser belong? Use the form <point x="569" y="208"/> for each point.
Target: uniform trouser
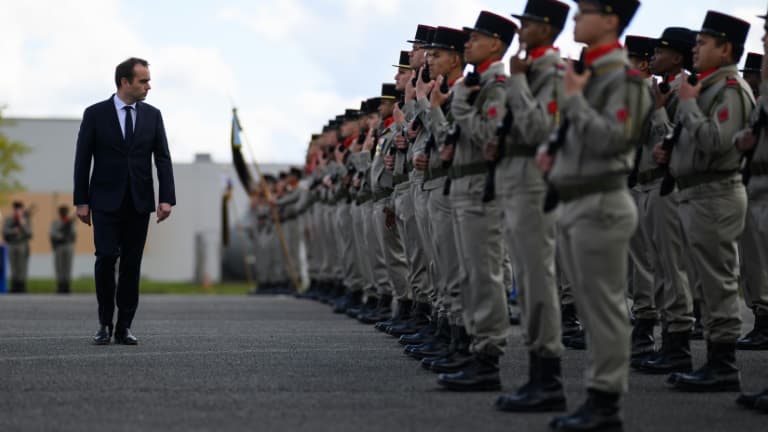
<point x="331" y="256"/>
<point x="361" y="249"/>
<point x="754" y="246"/>
<point x="661" y="223"/>
<point x="18" y="259"/>
<point x="420" y="201"/>
<point x="479" y="241"/>
<point x="411" y="240"/>
<point x="310" y="237"/>
<point x="264" y="255"/>
<point x="278" y="273"/>
<point x="447" y="265"/>
<point x="530" y="240"/>
<point x="293" y="240"/>
<point x="713" y="220"/>
<point x="563" y="284"/>
<point x="392" y="250"/>
<point x="382" y="284"/>
<point x="62" y="262"/>
<point x="353" y="275"/>
<point x="595" y="233"/>
<point x="644" y="275"/>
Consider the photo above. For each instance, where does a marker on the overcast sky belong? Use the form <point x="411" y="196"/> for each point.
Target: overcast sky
<point x="288" y="65"/>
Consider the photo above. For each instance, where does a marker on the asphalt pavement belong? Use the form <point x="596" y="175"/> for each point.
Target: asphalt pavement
<point x="227" y="363"/>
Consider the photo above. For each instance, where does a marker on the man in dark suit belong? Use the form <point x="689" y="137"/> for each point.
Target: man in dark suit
<point x="120" y="135"/>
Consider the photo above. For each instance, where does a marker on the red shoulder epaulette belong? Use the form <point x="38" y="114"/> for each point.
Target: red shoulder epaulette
<point x="632" y="72"/>
<point x="731" y="81"/>
<point x="501" y="78"/>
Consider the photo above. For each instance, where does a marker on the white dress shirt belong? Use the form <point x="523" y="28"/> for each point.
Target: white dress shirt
<point x="119" y="104"/>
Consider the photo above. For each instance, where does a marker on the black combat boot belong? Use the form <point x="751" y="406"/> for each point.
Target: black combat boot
<point x="542" y="393"/>
<point x="571" y="327"/>
<point x="368" y="307"/>
<point x="675" y="355"/>
<point x="402" y="314"/>
<point x="480" y="374"/>
<point x="643" y="342"/>
<point x="719" y="374"/>
<point x="63" y="287"/>
<point x="350" y="300"/>
<point x="750" y="400"/>
<point x="419" y="318"/>
<point x="458" y="354"/>
<point x="600" y="412"/>
<point x="426" y="334"/>
<point x="757" y="339"/>
<point x="383" y="311"/>
<point x="437" y="346"/>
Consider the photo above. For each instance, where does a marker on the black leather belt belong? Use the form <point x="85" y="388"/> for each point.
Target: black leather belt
<point x="518" y="151"/>
<point x="460" y="171"/>
<point x="594" y="186"/>
<point x="649" y="176"/>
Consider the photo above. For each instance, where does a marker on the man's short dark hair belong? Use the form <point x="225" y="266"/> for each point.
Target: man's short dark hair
<point x="125" y="69"/>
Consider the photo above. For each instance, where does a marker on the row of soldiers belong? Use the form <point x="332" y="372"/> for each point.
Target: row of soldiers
<point x="582" y="182"/>
<point x="17" y="233"/>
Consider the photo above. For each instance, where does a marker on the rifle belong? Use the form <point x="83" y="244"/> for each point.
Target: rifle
<point x="746" y="159"/>
<point x="489" y="191"/>
<point x="669" y="143"/>
<point x="555" y="143"/>
<point x="451" y="139"/>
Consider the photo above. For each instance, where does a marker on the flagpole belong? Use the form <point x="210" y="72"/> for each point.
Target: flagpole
<point x="273" y="207"/>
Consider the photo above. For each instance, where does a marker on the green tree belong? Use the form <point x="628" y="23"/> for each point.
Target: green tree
<point x="10" y="153"/>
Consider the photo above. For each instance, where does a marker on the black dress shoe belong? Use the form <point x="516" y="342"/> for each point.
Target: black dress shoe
<point x="124" y="337"/>
<point x="480" y="374"/>
<point x="749" y="401"/>
<point x="103" y="336"/>
<point x="600" y="412"/>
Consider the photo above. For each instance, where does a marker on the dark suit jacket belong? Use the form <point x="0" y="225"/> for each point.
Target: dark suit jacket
<point x="118" y="169"/>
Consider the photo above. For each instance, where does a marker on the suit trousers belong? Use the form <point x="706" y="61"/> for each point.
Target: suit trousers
<point x="119" y="234"/>
<point x="595" y="233"/>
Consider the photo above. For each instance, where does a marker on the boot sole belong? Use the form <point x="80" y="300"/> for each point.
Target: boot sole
<point x="485" y="387"/>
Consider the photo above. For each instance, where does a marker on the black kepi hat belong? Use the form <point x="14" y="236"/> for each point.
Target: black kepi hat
<point x="679" y="39"/>
<point x="423" y="34"/>
<point x="495" y="26"/>
<point x="404" y="62"/>
<point x="552" y="12"/>
<point x="639" y="46"/>
<point x="449" y="39"/>
<point x="754" y="63"/>
<point x="733" y="29"/>
<point x="624" y="9"/>
<point x="389" y="92"/>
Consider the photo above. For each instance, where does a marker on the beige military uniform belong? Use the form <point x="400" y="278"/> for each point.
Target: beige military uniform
<point x="477" y="225"/>
<point x="520" y="189"/>
<point x="63" y="236"/>
<point x="17" y="234"/>
<point x="713" y="200"/>
<point x="754" y="242"/>
<point x="597" y="214"/>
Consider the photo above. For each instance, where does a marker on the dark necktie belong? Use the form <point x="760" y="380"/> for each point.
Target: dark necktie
<point x="128" y="126"/>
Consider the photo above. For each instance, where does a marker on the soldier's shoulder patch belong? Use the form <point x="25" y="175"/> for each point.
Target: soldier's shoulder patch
<point x="633" y="73"/>
<point x="560" y="66"/>
<point x="501" y="78"/>
<point x="621" y="115"/>
<point x="731" y="81"/>
<point x="723" y="115"/>
<point x="492" y="112"/>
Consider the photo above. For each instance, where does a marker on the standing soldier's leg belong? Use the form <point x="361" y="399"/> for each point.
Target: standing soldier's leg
<point x="754" y="244"/>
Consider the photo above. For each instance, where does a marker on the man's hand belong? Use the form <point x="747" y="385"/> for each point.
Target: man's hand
<point x="420" y="162"/>
<point x="517" y="63"/>
<point x="389" y="162"/>
<point x="661" y="98"/>
<point x="687" y="91"/>
<point x="400" y="142"/>
<point x="368" y="143"/>
<point x="746" y="140"/>
<point x="413" y="133"/>
<point x="422" y="88"/>
<point x="491" y="150"/>
<point x="84" y="214"/>
<point x="398" y="115"/>
<point x="389" y="219"/>
<point x="544" y="161"/>
<point x="575" y="82"/>
<point x="660" y="155"/>
<point x="437" y="98"/>
<point x="446" y="153"/>
<point x="163" y="211"/>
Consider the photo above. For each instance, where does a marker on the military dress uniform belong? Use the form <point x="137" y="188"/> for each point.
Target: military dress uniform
<point x="63" y="235"/>
<point x="477" y="224"/>
<point x="17" y="232"/>
<point x="713" y="204"/>
<point x="598" y="216"/>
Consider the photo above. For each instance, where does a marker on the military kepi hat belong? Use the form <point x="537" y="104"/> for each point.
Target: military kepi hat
<point x="405" y="60"/>
<point x="754" y="63"/>
<point x="449" y="39"/>
<point x="389" y="92"/>
<point x="733" y="29"/>
<point x="624" y="9"/>
<point x="372" y="105"/>
<point x="679" y="39"/>
<point x="551" y="12"/>
<point x="495" y="26"/>
<point x="639" y="46"/>
<point x="423" y="34"/>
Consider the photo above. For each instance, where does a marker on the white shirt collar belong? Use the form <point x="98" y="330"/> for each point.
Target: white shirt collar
<point x="119" y="104"/>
